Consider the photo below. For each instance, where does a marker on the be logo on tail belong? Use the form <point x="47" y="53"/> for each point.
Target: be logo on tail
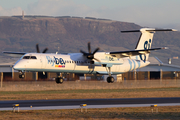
<point x="147" y="45"/>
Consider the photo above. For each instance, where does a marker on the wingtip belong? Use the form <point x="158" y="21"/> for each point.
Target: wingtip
<point x="165" y="48"/>
<point x="174" y="30"/>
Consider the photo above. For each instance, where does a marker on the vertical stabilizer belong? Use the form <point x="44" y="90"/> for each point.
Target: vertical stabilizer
<point x="145" y="39"/>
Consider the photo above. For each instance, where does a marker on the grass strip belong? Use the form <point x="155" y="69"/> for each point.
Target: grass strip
<point x="169" y="112"/>
<point x="90" y="91"/>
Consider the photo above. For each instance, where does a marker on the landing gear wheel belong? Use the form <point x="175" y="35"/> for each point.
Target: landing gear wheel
<point x="110" y="79"/>
<point x="21" y="75"/>
<point x="59" y="80"/>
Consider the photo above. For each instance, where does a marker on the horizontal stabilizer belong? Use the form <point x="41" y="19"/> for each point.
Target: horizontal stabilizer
<point x="148" y="30"/>
<point x="133" y="52"/>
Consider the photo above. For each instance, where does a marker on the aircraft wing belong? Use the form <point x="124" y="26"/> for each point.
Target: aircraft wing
<point x="17" y="53"/>
<point x="121" y="54"/>
<point x="14" y="54"/>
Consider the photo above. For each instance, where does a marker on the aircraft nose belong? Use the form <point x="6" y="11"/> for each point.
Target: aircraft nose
<point x="17" y="66"/>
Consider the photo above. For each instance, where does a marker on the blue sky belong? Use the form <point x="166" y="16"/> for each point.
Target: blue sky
<point x="150" y="13"/>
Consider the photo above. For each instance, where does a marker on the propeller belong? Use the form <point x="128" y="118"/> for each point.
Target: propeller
<point x="38" y="51"/>
<point x="90" y="55"/>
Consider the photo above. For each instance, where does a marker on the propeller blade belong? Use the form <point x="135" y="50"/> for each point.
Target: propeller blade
<point x="45" y="50"/>
<point x="90" y="55"/>
<point x="89" y="47"/>
<point x="84" y="53"/>
<point x="37" y="48"/>
<point x="97" y="49"/>
<point x="97" y="60"/>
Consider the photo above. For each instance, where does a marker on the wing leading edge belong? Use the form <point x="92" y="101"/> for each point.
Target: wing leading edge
<point x="16" y="53"/>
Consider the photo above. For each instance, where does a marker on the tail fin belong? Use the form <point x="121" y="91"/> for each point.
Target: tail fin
<point x="146" y="38"/>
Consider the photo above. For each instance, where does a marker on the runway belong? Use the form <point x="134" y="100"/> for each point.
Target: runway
<point x="91" y="103"/>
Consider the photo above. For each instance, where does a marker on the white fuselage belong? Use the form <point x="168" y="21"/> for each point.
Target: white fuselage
<point x="77" y="63"/>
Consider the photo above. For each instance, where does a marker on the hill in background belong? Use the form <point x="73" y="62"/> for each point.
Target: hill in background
<point x="70" y="34"/>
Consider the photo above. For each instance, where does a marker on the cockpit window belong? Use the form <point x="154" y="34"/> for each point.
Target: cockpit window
<point x="33" y="57"/>
<point x="26" y="57"/>
<point x="29" y="57"/>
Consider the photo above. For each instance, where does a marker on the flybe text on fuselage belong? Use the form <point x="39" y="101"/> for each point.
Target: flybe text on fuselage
<point x="58" y="62"/>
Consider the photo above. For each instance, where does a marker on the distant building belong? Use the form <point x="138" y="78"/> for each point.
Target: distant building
<point x="155" y="70"/>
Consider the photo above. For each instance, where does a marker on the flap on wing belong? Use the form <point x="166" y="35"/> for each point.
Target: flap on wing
<point x="121" y="54"/>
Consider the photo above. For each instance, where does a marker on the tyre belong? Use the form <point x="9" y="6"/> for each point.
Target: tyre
<point x="110" y="79"/>
<point x="59" y="80"/>
<point x="21" y="75"/>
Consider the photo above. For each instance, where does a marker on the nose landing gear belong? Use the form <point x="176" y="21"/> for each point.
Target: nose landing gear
<point x="21" y="74"/>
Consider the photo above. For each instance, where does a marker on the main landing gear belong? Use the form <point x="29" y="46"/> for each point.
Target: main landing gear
<point x="59" y="80"/>
<point x="21" y="74"/>
<point x="109" y="79"/>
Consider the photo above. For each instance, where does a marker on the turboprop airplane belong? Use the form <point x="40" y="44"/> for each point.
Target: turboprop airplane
<point x="90" y="62"/>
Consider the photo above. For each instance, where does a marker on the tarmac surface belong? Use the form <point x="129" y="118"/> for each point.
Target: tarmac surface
<point x="91" y="103"/>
